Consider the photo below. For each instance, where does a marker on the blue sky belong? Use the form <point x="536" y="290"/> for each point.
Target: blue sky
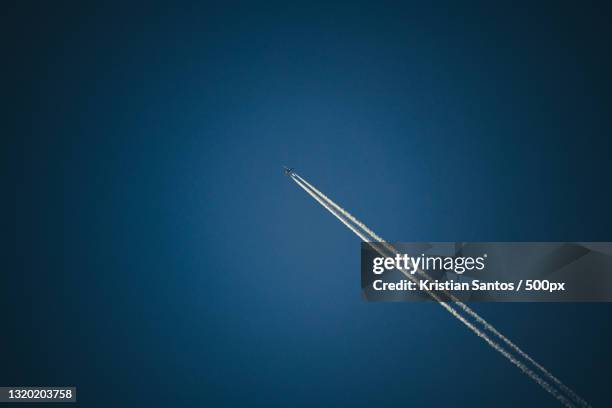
<point x="161" y="252"/>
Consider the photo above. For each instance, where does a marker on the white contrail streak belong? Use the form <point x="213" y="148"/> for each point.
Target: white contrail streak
<point x="344" y="215"/>
<point x="462" y="305"/>
<point x="352" y="228"/>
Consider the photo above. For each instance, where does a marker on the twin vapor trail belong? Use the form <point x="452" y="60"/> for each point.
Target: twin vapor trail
<point x="459" y="310"/>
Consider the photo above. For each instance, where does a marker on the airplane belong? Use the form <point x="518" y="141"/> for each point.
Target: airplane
<point x="288" y="171"/>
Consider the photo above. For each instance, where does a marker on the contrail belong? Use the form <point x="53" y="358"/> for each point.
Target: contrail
<point x="487" y="326"/>
<point x="344" y="216"/>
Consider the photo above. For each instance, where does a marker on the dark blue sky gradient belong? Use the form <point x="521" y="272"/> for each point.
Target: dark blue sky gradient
<point x="162" y="256"/>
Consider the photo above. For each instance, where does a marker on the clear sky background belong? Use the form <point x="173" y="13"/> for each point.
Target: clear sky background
<point x="162" y="259"/>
